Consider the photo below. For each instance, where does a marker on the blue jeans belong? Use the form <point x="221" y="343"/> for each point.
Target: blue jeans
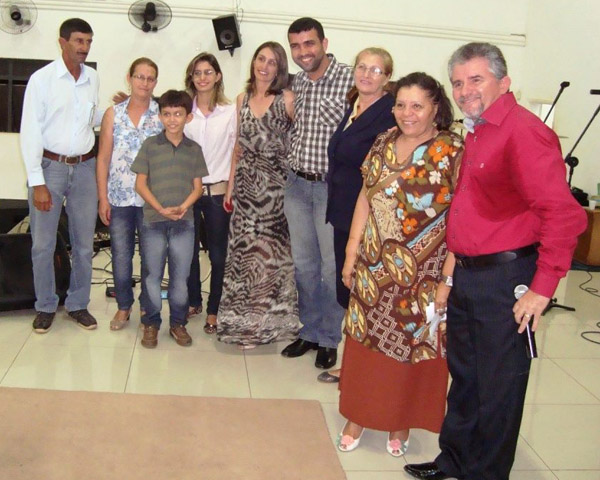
<point x="314" y="261"/>
<point x="172" y="240"/>
<point x="208" y="211"/>
<point x="76" y="184"/>
<point x="124" y="222"/>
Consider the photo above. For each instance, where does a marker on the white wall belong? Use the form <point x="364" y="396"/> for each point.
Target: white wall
<point x="563" y="44"/>
<point x="420" y="36"/>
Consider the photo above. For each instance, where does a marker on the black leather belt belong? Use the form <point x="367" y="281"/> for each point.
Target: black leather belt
<point x="69" y="160"/>
<point x="495" y="258"/>
<point x="311" y="177"/>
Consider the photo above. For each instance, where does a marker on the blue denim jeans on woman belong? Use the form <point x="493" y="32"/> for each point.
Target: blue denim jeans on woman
<point x="76" y="184"/>
<point x="314" y="261"/>
<point x="209" y="211"/>
<point x="162" y="241"/>
<point x="124" y="222"/>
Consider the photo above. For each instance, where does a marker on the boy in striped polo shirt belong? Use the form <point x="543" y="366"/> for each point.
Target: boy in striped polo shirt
<point x="169" y="169"/>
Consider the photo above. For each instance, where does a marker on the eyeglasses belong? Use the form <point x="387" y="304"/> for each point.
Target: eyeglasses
<point x="206" y="73"/>
<point x="174" y="114"/>
<point x="144" y="78"/>
<point x="363" y="69"/>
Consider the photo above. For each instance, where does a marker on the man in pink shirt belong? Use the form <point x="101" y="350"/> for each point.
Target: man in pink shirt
<point x="513" y="221"/>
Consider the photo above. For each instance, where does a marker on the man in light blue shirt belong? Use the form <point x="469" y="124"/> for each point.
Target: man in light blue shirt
<point x="57" y="141"/>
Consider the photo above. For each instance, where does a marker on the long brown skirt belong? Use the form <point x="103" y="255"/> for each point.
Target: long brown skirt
<point x="380" y="393"/>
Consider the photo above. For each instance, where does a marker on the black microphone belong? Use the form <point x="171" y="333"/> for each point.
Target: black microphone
<point x="563" y="85"/>
<point x="594" y="92"/>
<point x="520" y="290"/>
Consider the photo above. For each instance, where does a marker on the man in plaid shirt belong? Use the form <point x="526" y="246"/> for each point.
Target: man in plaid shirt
<point x="320" y="104"/>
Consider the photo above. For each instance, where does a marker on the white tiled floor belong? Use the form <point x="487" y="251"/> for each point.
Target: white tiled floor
<point x="560" y="434"/>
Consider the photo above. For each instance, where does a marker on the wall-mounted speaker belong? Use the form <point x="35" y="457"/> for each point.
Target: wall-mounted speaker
<point x="227" y="32"/>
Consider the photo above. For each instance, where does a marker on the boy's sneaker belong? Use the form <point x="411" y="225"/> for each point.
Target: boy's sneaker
<point x="150" y="338"/>
<point x="42" y="322"/>
<point x="84" y="319"/>
<point x="181" y="336"/>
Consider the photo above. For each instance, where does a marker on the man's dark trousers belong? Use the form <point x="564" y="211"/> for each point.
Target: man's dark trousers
<point x="488" y="361"/>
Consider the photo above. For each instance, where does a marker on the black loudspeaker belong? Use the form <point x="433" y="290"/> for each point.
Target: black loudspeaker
<point x="11" y="213"/>
<point x="16" y="271"/>
<point x="227" y="33"/>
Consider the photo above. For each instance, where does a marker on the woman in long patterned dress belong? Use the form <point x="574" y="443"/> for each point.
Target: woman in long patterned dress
<point x="259" y="302"/>
<point x="124" y="128"/>
<point x="394" y="373"/>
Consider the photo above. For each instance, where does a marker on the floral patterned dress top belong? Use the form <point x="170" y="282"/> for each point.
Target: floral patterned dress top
<point x="127" y="141"/>
<point x="403" y="247"/>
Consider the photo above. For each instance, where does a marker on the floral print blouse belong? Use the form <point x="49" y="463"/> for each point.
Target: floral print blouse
<point x="127" y="141"/>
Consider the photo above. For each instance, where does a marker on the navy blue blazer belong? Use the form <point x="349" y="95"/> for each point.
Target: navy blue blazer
<point x="347" y="151"/>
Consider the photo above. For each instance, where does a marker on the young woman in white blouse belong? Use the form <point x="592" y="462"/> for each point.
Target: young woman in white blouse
<point x="214" y="128"/>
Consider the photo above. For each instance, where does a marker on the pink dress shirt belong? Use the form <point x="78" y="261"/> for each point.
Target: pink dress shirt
<point x="512" y="192"/>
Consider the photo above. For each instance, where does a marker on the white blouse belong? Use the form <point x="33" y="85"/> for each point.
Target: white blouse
<point x="216" y="134"/>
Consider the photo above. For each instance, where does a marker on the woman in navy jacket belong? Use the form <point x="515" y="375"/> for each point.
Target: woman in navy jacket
<point x="370" y="114"/>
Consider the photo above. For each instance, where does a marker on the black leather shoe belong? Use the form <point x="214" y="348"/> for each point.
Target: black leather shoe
<point x="426" y="471"/>
<point x="326" y="357"/>
<point x="298" y="348"/>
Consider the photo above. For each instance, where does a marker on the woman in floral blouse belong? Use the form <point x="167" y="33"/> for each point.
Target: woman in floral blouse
<point x="124" y="128"/>
<point x="394" y="374"/>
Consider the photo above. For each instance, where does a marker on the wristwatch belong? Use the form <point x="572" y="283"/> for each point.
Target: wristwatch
<point x="447" y="279"/>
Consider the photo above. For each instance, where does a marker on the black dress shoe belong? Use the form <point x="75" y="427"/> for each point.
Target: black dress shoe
<point x="426" y="471"/>
<point x="326" y="357"/>
<point x="298" y="348"/>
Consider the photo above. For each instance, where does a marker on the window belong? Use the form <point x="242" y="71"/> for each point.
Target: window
<point x="14" y="75"/>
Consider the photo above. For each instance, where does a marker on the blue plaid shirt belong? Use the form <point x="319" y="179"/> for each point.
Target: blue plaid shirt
<point x="318" y="109"/>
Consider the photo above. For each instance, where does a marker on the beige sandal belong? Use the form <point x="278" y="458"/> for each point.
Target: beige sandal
<point x="120" y="319"/>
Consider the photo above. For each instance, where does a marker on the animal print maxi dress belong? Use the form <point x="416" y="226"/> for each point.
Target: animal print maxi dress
<point x="259" y="303"/>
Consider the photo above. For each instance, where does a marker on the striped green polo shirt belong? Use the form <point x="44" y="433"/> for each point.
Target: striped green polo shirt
<point x="171" y="170"/>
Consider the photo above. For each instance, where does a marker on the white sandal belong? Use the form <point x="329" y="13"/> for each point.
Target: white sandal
<point x="396" y="447"/>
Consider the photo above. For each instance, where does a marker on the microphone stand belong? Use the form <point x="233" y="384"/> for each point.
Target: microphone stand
<point x="563" y="85"/>
<point x="572" y="162"/>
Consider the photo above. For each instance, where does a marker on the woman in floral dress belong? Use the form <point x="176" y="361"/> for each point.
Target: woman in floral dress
<point x="394" y="373"/>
